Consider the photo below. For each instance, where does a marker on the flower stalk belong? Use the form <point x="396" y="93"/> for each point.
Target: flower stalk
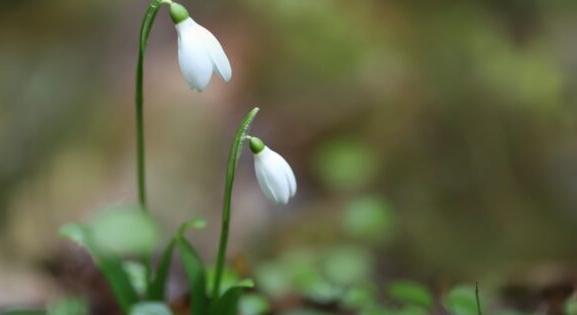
<point x="145" y="29"/>
<point x="234" y="155"/>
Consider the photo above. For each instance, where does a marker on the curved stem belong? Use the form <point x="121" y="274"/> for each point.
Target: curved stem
<point x="139" y="100"/>
<point x="233" y="158"/>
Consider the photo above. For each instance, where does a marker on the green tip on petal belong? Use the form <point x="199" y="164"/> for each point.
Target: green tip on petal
<point x="178" y="13"/>
<point x="256" y="145"/>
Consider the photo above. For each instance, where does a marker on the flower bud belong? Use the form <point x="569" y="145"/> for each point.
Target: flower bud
<point x="275" y="176"/>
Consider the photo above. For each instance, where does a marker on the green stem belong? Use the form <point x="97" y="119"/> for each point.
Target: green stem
<point x="145" y="28"/>
<point x="233" y="158"/>
<point x="479" y="311"/>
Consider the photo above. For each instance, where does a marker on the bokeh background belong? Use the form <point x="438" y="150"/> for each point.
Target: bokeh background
<point x="432" y="140"/>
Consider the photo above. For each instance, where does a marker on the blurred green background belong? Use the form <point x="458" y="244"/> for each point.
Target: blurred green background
<point x="437" y="139"/>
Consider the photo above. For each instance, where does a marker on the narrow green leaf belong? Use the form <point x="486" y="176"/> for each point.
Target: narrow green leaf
<point x="157" y="287"/>
<point x="110" y="266"/>
<point x="137" y="273"/>
<point x="233" y="158"/>
<point x="196" y="276"/>
<point x="227" y="304"/>
<point x="118" y="280"/>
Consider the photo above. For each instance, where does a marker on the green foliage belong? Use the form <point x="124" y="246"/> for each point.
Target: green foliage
<point x="137" y="274"/>
<point x="273" y="279"/>
<point x="461" y="300"/>
<point x="411" y="310"/>
<point x="227" y="303"/>
<point x="109" y="265"/>
<point x="347" y="265"/>
<point x="157" y="287"/>
<point x="196" y="276"/>
<point x="253" y="304"/>
<point x="150" y="308"/>
<point x="410" y="293"/>
<point x="24" y="312"/>
<point x="68" y="306"/>
<point x="110" y="233"/>
<point x="305" y="312"/>
<point x="571" y="306"/>
<point x="229" y="279"/>
<point x="369" y="219"/>
<point x="345" y="164"/>
<point x="233" y="157"/>
<point x="359" y="297"/>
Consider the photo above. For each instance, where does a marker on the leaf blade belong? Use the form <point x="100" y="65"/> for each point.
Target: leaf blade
<point x="227" y="304"/>
<point x="196" y="276"/>
<point x="110" y="266"/>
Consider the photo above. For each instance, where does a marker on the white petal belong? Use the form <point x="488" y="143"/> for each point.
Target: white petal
<point x="290" y="178"/>
<point x="217" y="54"/>
<point x="271" y="175"/>
<point x="195" y="63"/>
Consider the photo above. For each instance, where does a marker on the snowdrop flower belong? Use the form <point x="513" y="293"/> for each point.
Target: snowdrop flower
<point x="275" y="176"/>
<point x="199" y="52"/>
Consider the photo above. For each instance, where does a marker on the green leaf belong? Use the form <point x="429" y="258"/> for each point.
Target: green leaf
<point x="411" y="293"/>
<point x="254" y="304"/>
<point x="345" y="164"/>
<point x="68" y="306"/>
<point x="74" y="232"/>
<point x="411" y="310"/>
<point x="347" y="265"/>
<point x="228" y="280"/>
<point x="157" y="286"/>
<point x="118" y="280"/>
<point x="571" y="306"/>
<point x="110" y="233"/>
<point x="274" y="279"/>
<point x="110" y="266"/>
<point x="150" y="308"/>
<point x="358" y="298"/>
<point x="136" y="272"/>
<point x="23" y="312"/>
<point x="227" y="304"/>
<point x="369" y="218"/>
<point x="461" y="300"/>
<point x="196" y="276"/>
<point x="233" y="158"/>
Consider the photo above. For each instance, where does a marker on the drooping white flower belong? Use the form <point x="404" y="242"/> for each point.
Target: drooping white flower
<point x="200" y="54"/>
<point x="275" y="176"/>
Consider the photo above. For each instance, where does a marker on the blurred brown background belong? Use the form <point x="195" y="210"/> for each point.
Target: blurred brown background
<point x="458" y="117"/>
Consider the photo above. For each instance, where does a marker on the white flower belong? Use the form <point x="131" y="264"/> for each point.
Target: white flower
<point x="275" y="176"/>
<point x="199" y="52"/>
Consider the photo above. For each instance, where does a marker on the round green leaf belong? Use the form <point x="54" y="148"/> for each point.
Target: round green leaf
<point x="124" y="230"/>
<point x="410" y="293"/>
